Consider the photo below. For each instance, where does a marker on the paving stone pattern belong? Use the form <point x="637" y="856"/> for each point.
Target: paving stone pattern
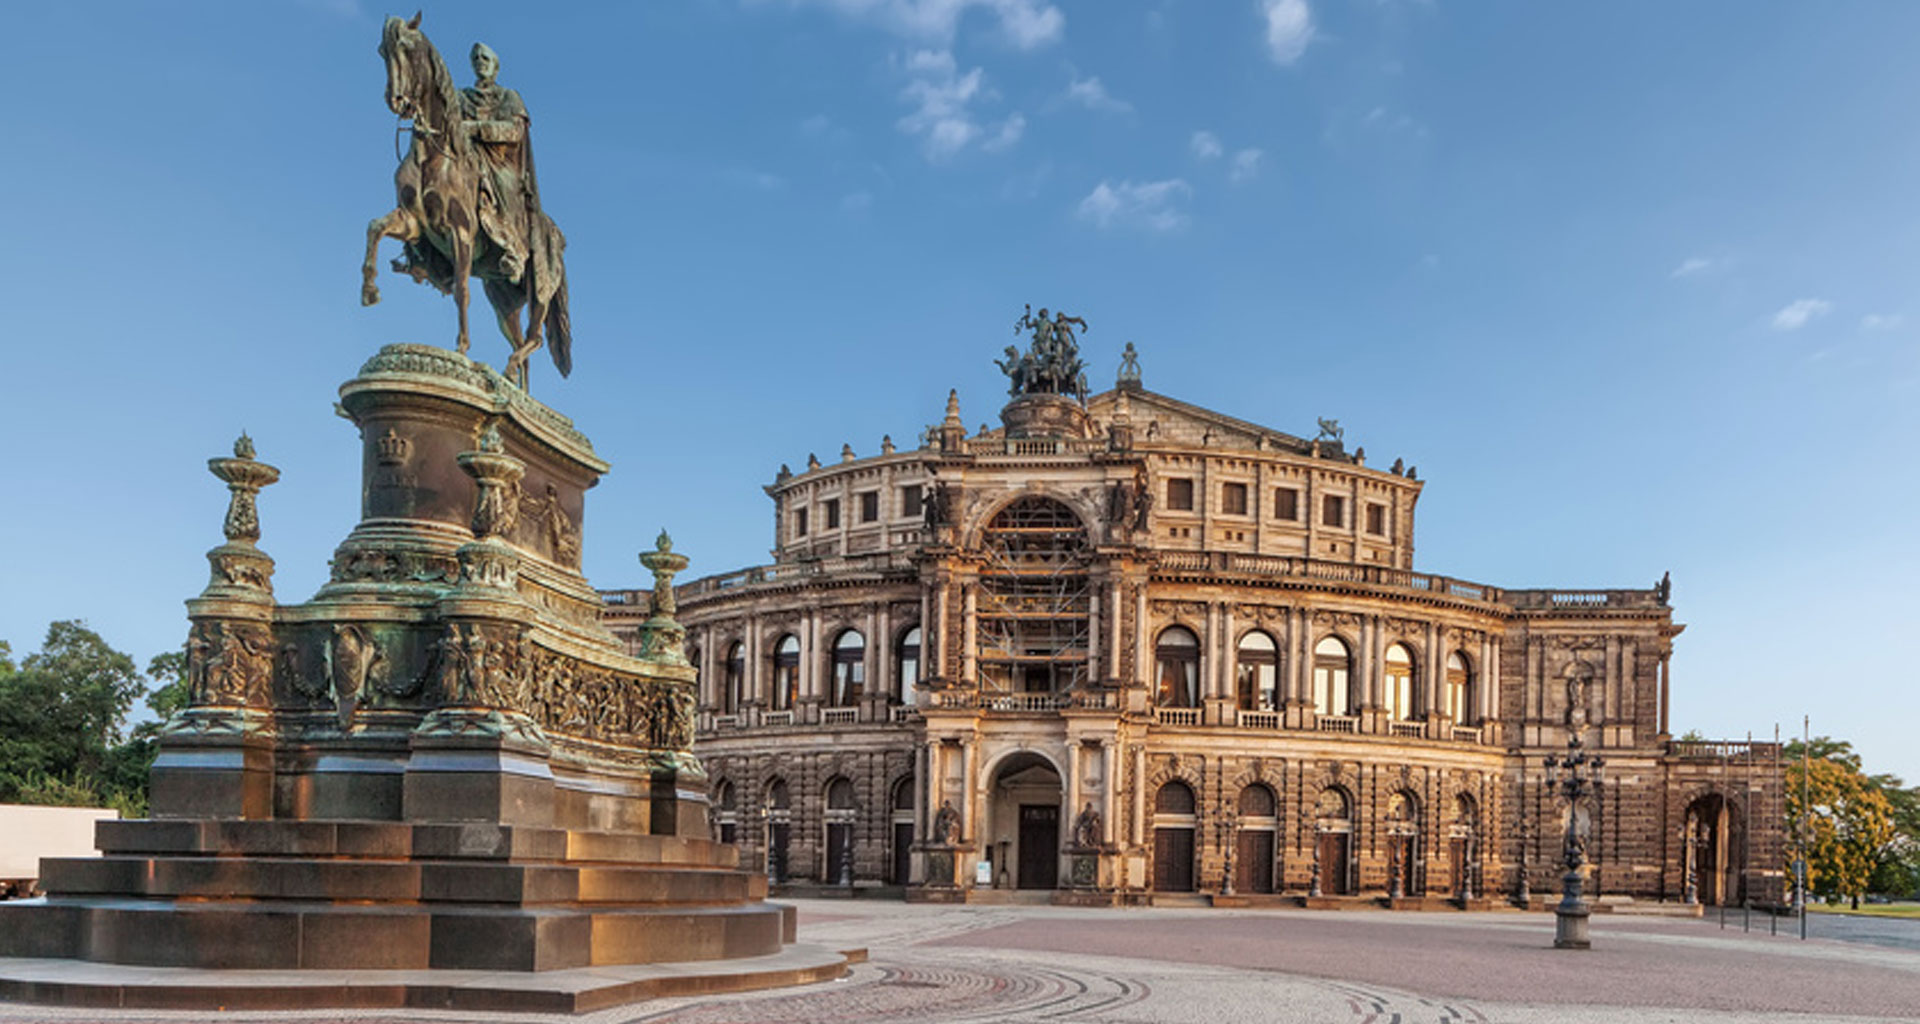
<point x="1104" y="966"/>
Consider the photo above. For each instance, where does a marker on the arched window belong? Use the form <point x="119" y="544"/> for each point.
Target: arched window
<point x="1257" y="672"/>
<point x="849" y="668"/>
<point x="1175" y="798"/>
<point x="840" y="795"/>
<point x="1256" y="801"/>
<point x="733" y="678"/>
<point x="1460" y="697"/>
<point x="786" y="673"/>
<point x="1333" y="805"/>
<point x="1332" y="664"/>
<point x="1178" y="658"/>
<point x="779" y="824"/>
<point x="1399" y="683"/>
<point x="1254" y="840"/>
<point x="906" y="665"/>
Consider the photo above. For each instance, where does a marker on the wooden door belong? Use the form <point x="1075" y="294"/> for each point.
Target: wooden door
<point x="1457" y="865"/>
<point x="1253" y="861"/>
<point x="778" y="835"/>
<point x="1039" y="846"/>
<point x="1333" y="863"/>
<point x="839" y="853"/>
<point x="1173" y="859"/>
<point x="902" y="851"/>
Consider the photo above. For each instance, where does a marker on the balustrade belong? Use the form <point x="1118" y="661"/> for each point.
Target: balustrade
<point x="1177" y="716"/>
<point x="1258" y="719"/>
<point x="1337" y="723"/>
<point x="776" y="718"/>
<point x="1406" y="730"/>
<point x="839" y="716"/>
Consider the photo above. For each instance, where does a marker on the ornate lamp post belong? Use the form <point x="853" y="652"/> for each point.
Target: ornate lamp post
<point x="1576" y="777"/>
<point x="1692" y="895"/>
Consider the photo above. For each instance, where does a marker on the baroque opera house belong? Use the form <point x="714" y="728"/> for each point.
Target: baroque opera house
<point x="1123" y="647"/>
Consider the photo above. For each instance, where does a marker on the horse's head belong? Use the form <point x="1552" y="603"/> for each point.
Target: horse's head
<point x="399" y="42"/>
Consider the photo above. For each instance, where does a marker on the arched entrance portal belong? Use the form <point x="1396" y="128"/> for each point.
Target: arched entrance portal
<point x="1174" y="821"/>
<point x="1024" y="822"/>
<point x="1714" y="823"/>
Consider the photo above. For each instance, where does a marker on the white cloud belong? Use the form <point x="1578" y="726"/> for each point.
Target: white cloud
<point x="1089" y="93"/>
<point x="941" y="99"/>
<point x="1246" y="164"/>
<point x="1881" y="321"/>
<point x="1026" y="24"/>
<point x="1150" y="205"/>
<point x="1007" y="134"/>
<point x="944" y="116"/>
<point x="1289" y="28"/>
<point x="1206" y="146"/>
<point x="1691" y="266"/>
<point x="1797" y="313"/>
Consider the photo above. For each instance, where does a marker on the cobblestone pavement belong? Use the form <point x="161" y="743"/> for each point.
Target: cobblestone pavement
<point x="1109" y="966"/>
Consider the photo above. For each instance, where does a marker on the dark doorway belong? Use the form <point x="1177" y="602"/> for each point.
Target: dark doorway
<point x="902" y="851"/>
<point x="839" y="854"/>
<point x="1039" y="846"/>
<point x="1253" y="862"/>
<point x="1333" y="863"/>
<point x="1457" y="865"/>
<point x="1173" y="859"/>
<point x="778" y="834"/>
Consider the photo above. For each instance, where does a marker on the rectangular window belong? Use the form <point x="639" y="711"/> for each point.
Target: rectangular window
<point x="1233" y="499"/>
<point x="1333" y="510"/>
<point x="799" y="522"/>
<point x="1286" y="503"/>
<point x="1180" y="495"/>
<point x="832" y="507"/>
<point x="870" y="507"/>
<point x="1377" y="519"/>
<point x="910" y="500"/>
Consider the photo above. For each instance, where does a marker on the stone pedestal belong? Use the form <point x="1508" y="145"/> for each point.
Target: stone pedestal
<point x="1043" y="415"/>
<point x="443" y="761"/>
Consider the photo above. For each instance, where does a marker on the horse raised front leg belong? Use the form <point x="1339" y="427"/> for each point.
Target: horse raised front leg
<point x="397" y="224"/>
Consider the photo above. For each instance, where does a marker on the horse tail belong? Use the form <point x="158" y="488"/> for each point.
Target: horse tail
<point x="560" y="330"/>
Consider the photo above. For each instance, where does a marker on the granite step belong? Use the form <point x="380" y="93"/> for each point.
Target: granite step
<point x="391" y="839"/>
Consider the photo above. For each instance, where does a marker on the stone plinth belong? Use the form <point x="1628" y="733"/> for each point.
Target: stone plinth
<point x="1046" y="415"/>
<point x="442" y="762"/>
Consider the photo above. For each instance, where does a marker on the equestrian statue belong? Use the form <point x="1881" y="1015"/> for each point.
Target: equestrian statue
<point x="469" y="204"/>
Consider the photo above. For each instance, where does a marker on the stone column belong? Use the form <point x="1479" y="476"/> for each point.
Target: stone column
<point x="1110" y="777"/>
<point x="1139" y="793"/>
<point x="970" y="642"/>
<point x="216" y="755"/>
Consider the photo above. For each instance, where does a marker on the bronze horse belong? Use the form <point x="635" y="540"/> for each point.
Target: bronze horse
<point x="439" y="185"/>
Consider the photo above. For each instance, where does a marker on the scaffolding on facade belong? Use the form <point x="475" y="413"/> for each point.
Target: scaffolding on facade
<point x="1036" y="599"/>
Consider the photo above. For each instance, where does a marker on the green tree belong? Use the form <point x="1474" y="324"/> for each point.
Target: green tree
<point x="62" y="709"/>
<point x="1848" y="818"/>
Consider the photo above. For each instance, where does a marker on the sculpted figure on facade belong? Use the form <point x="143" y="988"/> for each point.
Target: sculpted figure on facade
<point x="946" y="824"/>
<point x="1086" y="827"/>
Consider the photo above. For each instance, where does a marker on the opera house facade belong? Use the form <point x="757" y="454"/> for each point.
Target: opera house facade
<point x="1122" y="647"/>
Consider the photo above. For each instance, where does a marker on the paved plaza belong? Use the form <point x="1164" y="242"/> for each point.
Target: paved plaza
<point x="1043" y="963"/>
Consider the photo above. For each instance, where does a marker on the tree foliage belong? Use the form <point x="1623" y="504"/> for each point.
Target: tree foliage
<point x="1854" y="827"/>
<point x="63" y="716"/>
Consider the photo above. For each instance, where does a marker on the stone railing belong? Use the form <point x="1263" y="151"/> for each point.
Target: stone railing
<point x="776" y="718"/>
<point x="1337" y="723"/>
<point x="1177" y="716"/>
<point x="1026" y="702"/>
<point x="785" y="572"/>
<point x="633" y="598"/>
<point x="1466" y="733"/>
<point x="1407" y="730"/>
<point x="1722" y="750"/>
<point x="839" y="716"/>
<point x="1258" y="719"/>
<point x="726" y="722"/>
<point x="902" y="713"/>
<point x="1578" y="600"/>
<point x="1031" y="446"/>
<point x="1230" y="562"/>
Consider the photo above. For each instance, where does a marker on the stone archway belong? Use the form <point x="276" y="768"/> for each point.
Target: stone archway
<point x="1023" y="822"/>
<point x="1717" y="831"/>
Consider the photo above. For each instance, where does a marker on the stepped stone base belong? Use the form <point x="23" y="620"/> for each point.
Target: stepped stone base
<point x="285" y="895"/>
<point x="580" y="990"/>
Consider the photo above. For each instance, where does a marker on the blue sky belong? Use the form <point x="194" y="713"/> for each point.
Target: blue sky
<point x="1630" y="283"/>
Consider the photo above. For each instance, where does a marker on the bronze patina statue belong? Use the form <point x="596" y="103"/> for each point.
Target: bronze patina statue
<point x="469" y="204"/>
<point x="1051" y="365"/>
